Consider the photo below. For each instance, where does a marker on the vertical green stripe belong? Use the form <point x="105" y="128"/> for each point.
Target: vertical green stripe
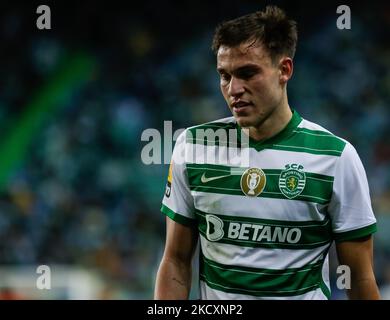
<point x="65" y="81"/>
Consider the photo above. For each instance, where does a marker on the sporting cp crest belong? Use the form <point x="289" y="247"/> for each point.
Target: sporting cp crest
<point x="292" y="180"/>
<point x="253" y="181"/>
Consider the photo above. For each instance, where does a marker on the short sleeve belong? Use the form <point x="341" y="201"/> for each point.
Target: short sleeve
<point x="178" y="203"/>
<point x="350" y="207"/>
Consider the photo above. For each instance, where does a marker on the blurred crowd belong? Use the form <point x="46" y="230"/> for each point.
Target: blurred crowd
<point x="81" y="194"/>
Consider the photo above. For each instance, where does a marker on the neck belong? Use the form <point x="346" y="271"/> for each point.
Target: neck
<point x="273" y="124"/>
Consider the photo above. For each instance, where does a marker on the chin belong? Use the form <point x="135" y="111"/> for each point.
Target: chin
<point x="244" y="122"/>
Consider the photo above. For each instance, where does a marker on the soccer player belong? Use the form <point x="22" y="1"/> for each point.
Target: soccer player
<point x="265" y="233"/>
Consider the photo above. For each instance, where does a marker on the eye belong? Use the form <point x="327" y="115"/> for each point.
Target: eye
<point x="246" y="75"/>
<point x="225" y="77"/>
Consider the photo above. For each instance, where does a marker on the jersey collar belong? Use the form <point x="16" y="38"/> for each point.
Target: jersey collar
<point x="282" y="135"/>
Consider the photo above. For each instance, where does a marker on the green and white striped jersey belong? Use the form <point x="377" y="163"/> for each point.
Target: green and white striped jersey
<point x="265" y="229"/>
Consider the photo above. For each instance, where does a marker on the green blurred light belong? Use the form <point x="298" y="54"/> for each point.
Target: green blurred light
<point x="70" y="76"/>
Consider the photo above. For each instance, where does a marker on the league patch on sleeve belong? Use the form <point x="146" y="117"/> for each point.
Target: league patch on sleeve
<point x="169" y="182"/>
<point x="168" y="189"/>
<point x="170" y="173"/>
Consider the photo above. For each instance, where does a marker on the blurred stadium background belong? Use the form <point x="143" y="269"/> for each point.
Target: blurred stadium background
<point x="74" y="101"/>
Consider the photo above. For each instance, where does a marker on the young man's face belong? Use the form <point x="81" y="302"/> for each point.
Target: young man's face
<point x="250" y="83"/>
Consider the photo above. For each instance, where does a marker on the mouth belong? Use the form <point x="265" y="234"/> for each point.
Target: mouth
<point x="240" y="106"/>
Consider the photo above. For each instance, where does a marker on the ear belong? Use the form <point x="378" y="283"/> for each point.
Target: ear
<point x="286" y="67"/>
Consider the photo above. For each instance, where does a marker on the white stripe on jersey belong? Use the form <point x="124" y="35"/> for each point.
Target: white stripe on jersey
<point x="261" y="208"/>
<point x="270" y="158"/>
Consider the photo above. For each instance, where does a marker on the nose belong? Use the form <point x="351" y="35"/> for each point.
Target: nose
<point x="236" y="87"/>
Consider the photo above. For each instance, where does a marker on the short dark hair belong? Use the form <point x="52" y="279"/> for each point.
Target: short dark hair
<point x="271" y="27"/>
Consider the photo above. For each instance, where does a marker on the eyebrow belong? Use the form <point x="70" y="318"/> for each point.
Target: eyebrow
<point x="247" y="67"/>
